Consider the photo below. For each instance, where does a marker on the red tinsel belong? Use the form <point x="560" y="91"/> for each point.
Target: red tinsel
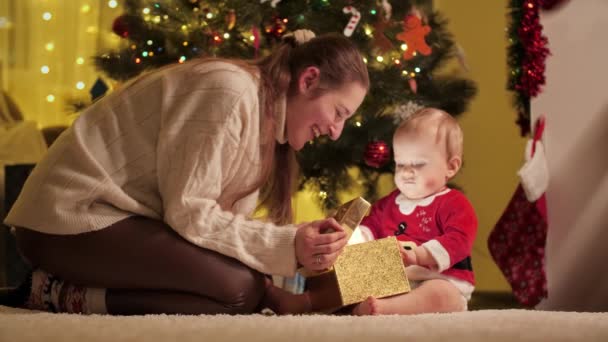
<point x="532" y="75"/>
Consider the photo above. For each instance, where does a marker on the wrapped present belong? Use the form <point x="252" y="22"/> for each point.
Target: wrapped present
<point x="373" y="268"/>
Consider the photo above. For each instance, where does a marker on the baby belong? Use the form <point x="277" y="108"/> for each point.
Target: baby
<point x="436" y="225"/>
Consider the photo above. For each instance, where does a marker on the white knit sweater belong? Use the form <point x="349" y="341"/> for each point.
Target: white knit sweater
<point x="175" y="145"/>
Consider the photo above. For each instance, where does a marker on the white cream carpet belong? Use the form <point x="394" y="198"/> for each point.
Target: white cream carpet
<point x="486" y="325"/>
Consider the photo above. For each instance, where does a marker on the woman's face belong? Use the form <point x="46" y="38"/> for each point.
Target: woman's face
<point x="310" y="115"/>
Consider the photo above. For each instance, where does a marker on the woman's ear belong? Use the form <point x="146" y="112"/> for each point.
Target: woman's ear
<point x="453" y="166"/>
<point x="309" y="79"/>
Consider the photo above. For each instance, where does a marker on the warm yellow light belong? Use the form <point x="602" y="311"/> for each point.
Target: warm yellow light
<point x="47" y="16"/>
<point x="85" y="8"/>
<point x="412" y="74"/>
<point x="404" y="72"/>
<point x="151" y="53"/>
<point x="226" y="35"/>
<point x="209" y="15"/>
<point x="403" y="47"/>
<point x="133" y="47"/>
<point x="50" y="46"/>
<point x="112" y="3"/>
<point x="358" y="123"/>
<point x="80" y="85"/>
<point x="185" y="43"/>
<point x="184" y="27"/>
<point x="323" y="194"/>
<point x="80" y="60"/>
<point x="156" y="19"/>
<point x="368" y="31"/>
<point x="146" y="10"/>
<point x="137" y="60"/>
<point x="50" y="98"/>
<point x="91" y="29"/>
<point x="45" y="69"/>
<point x="252" y="38"/>
<point x="397" y="61"/>
<point x="364" y="60"/>
<point x="380" y="59"/>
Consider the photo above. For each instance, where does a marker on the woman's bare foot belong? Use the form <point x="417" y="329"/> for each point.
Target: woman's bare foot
<point x="283" y="302"/>
<point x="370" y="306"/>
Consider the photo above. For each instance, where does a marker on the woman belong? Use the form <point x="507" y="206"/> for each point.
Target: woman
<point x="144" y="205"/>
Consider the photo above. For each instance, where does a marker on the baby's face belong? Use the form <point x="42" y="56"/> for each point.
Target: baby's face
<point x="421" y="166"/>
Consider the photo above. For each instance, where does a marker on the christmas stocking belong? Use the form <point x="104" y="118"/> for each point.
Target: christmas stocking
<point x="517" y="242"/>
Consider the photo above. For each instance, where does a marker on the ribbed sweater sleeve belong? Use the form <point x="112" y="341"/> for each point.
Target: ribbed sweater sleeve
<point x="204" y="127"/>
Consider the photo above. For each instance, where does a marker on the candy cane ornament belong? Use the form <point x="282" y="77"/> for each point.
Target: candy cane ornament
<point x="354" y="20"/>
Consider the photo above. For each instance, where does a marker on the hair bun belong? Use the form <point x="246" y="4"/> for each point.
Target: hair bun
<point x="299" y="37"/>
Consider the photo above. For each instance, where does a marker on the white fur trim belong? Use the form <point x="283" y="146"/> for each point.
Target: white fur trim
<point x="439" y="253"/>
<point x="407" y="206"/>
<point x="534" y="174"/>
<point x="361" y="234"/>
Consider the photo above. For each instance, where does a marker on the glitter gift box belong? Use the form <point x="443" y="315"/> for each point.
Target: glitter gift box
<point x="373" y="268"/>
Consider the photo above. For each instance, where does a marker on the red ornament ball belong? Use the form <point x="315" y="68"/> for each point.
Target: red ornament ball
<point x="377" y="154"/>
<point x="120" y="26"/>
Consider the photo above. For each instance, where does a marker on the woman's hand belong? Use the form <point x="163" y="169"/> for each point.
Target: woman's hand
<point x="319" y="243"/>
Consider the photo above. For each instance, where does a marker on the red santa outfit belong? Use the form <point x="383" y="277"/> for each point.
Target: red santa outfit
<point x="444" y="223"/>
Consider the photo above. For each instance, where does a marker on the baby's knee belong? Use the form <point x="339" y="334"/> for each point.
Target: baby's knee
<point x="447" y="298"/>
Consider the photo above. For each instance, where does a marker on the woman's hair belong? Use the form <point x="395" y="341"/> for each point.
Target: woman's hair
<point x="339" y="63"/>
<point x="439" y="124"/>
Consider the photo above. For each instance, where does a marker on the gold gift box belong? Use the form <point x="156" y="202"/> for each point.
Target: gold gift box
<point x="373" y="268"/>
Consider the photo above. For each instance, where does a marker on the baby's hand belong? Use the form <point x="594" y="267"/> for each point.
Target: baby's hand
<point x="409" y="257"/>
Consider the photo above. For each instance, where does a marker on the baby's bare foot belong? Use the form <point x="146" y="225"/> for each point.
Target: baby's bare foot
<point x="367" y="307"/>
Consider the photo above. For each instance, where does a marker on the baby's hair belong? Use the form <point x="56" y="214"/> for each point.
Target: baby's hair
<point x="440" y="124"/>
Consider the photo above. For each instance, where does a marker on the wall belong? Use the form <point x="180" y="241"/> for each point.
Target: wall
<point x="575" y="103"/>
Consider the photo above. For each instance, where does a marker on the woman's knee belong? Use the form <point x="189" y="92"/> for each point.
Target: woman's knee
<point x="244" y="291"/>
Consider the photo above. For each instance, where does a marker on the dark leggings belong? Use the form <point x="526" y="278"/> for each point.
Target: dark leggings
<point x="147" y="269"/>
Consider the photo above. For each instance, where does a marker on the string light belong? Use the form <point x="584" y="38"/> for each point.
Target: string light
<point x="45" y="69"/>
<point x="50" y="46"/>
<point x="182" y="59"/>
<point x="209" y="15"/>
<point x="50" y="98"/>
<point x="47" y="16"/>
<point x="226" y="35"/>
<point x="146" y="10"/>
<point x="417" y="69"/>
<point x="184" y="27"/>
<point x="358" y="123"/>
<point x="149" y="42"/>
<point x="185" y="43"/>
<point x="80" y="85"/>
<point x="403" y="47"/>
<point x="80" y="60"/>
<point x="85" y="8"/>
<point x="112" y="3"/>
<point x="144" y="54"/>
<point x="323" y="194"/>
<point x="137" y="60"/>
<point x="380" y="59"/>
<point x="156" y="19"/>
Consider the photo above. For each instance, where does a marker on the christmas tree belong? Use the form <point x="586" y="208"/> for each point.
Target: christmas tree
<point x="404" y="44"/>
